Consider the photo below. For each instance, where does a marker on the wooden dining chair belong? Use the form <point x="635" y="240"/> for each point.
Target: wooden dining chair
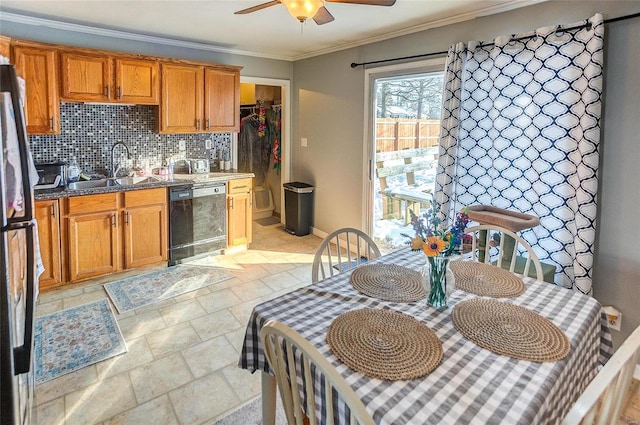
<point x="282" y="345"/>
<point x="507" y="256"/>
<point x="342" y="250"/>
<point x="601" y="401"/>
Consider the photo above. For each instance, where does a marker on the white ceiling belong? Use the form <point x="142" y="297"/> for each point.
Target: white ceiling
<point x="270" y="32"/>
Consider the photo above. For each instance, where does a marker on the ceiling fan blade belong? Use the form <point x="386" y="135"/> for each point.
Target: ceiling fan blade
<point x="258" y="7"/>
<point x="367" y="2"/>
<point x="323" y="16"/>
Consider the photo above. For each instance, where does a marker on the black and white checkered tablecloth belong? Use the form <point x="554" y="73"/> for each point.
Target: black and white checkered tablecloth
<point x="471" y="385"/>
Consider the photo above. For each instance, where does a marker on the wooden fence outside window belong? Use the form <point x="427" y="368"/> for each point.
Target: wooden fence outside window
<point x="395" y="134"/>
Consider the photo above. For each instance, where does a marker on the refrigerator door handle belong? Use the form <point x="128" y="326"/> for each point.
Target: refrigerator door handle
<point x="22" y="354"/>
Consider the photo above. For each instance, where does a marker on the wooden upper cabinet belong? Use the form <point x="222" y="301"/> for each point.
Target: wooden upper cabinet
<point x="137" y="81"/>
<point x="5" y="46"/>
<point x="38" y="66"/>
<point x="181" y="110"/>
<point x="86" y="77"/>
<point x="221" y="100"/>
<point x="99" y="78"/>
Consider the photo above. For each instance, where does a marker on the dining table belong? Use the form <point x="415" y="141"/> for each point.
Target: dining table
<point x="471" y="384"/>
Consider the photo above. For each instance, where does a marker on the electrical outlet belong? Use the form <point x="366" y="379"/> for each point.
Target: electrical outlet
<point x="303" y="142"/>
<point x="614" y="317"/>
<point x="182" y="145"/>
<point x="207" y="144"/>
<point x="615" y="322"/>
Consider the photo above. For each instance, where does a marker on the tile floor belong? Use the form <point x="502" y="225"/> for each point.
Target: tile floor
<point x="181" y="363"/>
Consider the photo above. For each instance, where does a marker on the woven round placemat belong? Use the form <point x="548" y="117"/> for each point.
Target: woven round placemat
<point x="486" y="280"/>
<point x="384" y="344"/>
<point x="510" y="330"/>
<point x="388" y="282"/>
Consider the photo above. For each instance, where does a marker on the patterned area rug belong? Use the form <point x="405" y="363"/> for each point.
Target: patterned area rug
<point x="139" y="291"/>
<point x="71" y="339"/>
<point x="251" y="414"/>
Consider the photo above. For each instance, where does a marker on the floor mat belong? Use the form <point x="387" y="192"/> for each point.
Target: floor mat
<point x="74" y="338"/>
<point x="269" y="221"/>
<point x="139" y="291"/>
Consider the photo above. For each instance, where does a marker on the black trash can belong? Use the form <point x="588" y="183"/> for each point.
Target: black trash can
<point x="298" y="205"/>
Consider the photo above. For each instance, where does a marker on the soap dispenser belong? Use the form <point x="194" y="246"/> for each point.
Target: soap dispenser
<point x="73" y="171"/>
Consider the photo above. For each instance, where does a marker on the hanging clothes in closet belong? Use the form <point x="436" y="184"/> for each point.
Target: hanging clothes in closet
<point x="254" y="145"/>
<point x="275" y="118"/>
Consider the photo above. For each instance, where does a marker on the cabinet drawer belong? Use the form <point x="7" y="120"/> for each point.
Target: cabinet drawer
<point x="239" y="186"/>
<point x="92" y="203"/>
<point x="145" y="197"/>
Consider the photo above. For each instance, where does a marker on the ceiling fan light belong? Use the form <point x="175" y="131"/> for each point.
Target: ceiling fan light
<point x="303" y="9"/>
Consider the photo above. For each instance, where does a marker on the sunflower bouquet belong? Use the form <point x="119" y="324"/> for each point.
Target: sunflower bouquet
<point x="434" y="239"/>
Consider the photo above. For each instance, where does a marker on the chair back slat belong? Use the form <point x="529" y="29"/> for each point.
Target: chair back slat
<point x="603" y="398"/>
<point x="482" y="252"/>
<point x="330" y="259"/>
<point x="274" y="336"/>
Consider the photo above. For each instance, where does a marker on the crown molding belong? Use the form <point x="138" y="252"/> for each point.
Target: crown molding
<point x="515" y="4"/>
<point x="87" y="29"/>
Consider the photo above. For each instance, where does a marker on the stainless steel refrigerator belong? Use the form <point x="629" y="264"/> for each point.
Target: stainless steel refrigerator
<point x="18" y="251"/>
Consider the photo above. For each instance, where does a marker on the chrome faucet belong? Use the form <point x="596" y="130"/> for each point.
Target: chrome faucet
<point x="114" y="169"/>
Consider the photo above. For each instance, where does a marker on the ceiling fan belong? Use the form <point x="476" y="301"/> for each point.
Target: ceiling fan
<point x="305" y="9"/>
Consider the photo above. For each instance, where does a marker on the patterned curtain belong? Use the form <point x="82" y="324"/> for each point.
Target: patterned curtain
<point x="520" y="130"/>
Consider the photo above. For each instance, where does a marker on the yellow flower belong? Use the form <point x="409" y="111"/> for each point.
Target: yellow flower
<point x="417" y="243"/>
<point x="433" y="246"/>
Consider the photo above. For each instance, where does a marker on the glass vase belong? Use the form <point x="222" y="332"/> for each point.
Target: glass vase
<point x="438" y="281"/>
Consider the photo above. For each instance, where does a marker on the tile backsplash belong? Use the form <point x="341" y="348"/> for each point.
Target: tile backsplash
<point x="88" y="131"/>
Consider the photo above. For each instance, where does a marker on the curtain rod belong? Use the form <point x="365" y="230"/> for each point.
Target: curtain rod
<point x="560" y="29"/>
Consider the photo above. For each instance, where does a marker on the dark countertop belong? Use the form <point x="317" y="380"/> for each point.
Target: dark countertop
<point x="178" y="180"/>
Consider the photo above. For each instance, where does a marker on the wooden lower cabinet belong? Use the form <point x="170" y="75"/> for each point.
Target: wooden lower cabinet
<point x="47" y="214"/>
<point x="92" y="235"/>
<point x="111" y="232"/>
<point x="93" y="245"/>
<point x="145" y="228"/>
<point x="239" y="212"/>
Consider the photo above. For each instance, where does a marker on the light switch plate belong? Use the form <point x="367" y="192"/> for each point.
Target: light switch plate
<point x="303" y="141"/>
<point x="207" y="144"/>
<point x="182" y="145"/>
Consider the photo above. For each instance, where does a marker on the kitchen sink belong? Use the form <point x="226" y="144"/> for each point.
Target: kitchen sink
<point x="123" y="181"/>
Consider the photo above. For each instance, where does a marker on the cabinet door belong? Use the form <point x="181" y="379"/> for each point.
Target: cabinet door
<point x="42" y="108"/>
<point x="86" y="77"/>
<point x="181" y="108"/>
<point x="221" y="100"/>
<point x="137" y="81"/>
<point x="145" y="230"/>
<point x="239" y="213"/>
<point x="93" y="245"/>
<point x="47" y="215"/>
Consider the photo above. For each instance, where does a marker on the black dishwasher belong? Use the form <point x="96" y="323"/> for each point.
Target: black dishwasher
<point x="197" y="221"/>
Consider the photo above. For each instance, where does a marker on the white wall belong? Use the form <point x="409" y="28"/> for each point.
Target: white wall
<point x="330" y="98"/>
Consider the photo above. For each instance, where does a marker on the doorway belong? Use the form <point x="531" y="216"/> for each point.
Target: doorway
<point x="401" y="142"/>
<point x="274" y="96"/>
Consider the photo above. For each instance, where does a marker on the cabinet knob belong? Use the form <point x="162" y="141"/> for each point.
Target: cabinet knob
<point x="126" y="218"/>
<point x="106" y="91"/>
<point x="53" y="123"/>
<point x="114" y="219"/>
<point x="53" y="210"/>
<point x="208" y="123"/>
<point x="119" y="92"/>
